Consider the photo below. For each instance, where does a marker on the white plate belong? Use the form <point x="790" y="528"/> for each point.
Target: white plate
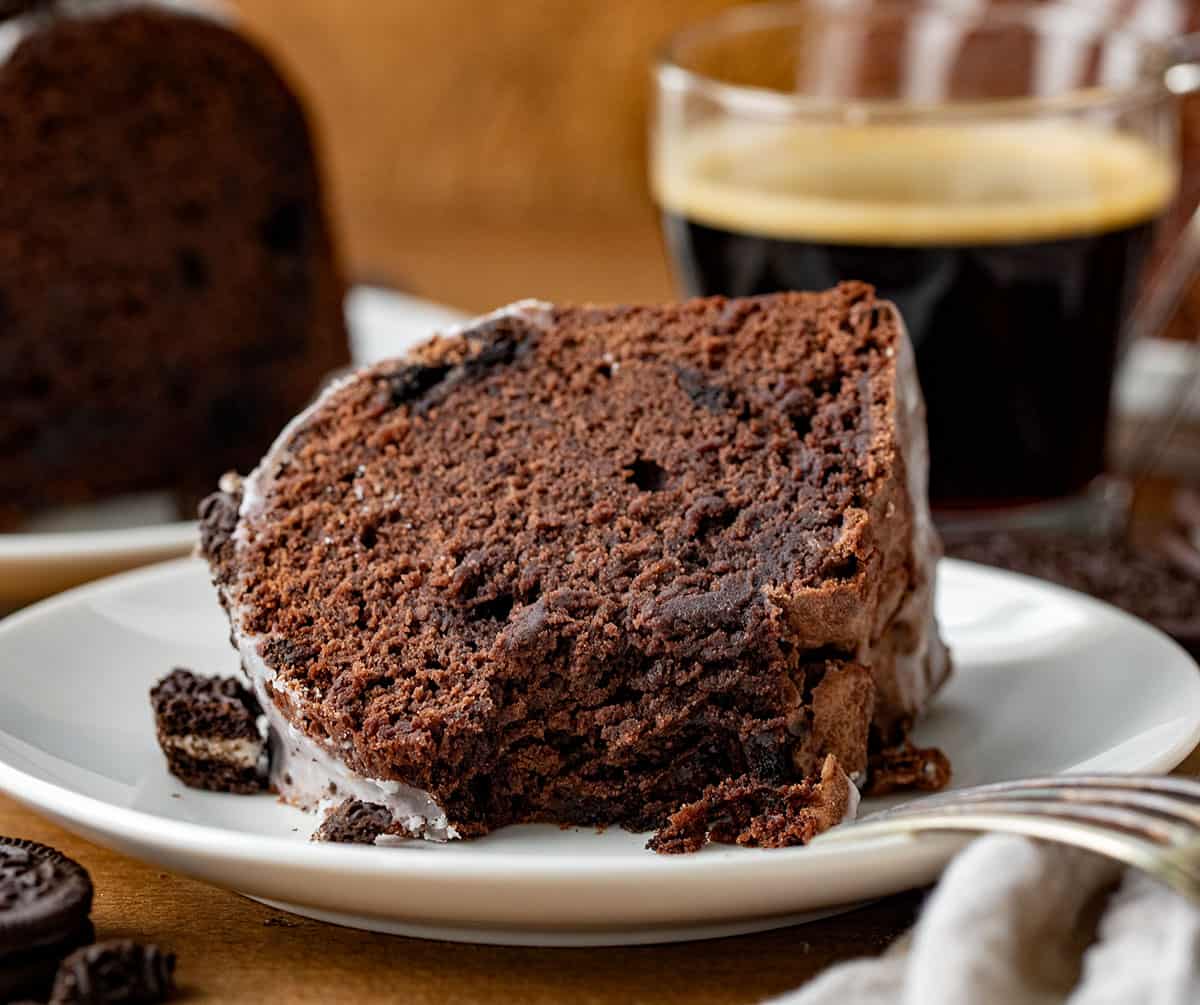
<point x="75" y="545"/>
<point x="1047" y="681"/>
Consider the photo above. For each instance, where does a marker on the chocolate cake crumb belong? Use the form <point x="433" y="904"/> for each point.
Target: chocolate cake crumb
<point x="906" y="766"/>
<point x="354" y="822"/>
<point x="754" y="814"/>
<point x="209" y="730"/>
<point x="119" y="970"/>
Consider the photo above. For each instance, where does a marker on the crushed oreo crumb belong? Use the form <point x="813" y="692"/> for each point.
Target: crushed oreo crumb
<point x="119" y="970"/>
<point x="218" y="519"/>
<point x="411" y="381"/>
<point x="353" y="821"/>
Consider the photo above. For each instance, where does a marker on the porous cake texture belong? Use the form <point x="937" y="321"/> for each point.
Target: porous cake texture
<point x="579" y="564"/>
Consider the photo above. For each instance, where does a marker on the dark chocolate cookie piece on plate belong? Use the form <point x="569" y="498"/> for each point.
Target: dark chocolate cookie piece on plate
<point x="208" y="728"/>
<point x="119" y="970"/>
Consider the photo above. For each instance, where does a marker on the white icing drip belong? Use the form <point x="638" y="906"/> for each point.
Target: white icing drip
<point x="308" y="776"/>
<point x="920" y="670"/>
<point x="242" y="753"/>
<point x="539" y="313"/>
<point x="853" y="800"/>
<point x="15" y="30"/>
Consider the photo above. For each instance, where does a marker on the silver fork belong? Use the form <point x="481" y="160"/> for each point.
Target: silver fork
<point x="1148" y="822"/>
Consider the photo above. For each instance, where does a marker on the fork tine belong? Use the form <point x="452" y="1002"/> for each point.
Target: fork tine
<point x="1169" y="785"/>
<point x="1152" y="827"/>
<point x="1167" y="808"/>
<point x="1149" y="822"/>
<point x="1117" y="844"/>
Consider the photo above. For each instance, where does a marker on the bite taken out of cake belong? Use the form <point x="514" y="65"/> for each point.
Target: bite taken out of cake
<point x="596" y="565"/>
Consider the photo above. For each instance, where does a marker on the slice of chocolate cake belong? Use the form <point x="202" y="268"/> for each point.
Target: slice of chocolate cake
<point x="209" y="729"/>
<point x="169" y="295"/>
<point x="579" y="564"/>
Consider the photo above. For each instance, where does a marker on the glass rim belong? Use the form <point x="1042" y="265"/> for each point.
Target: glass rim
<point x="1150" y="84"/>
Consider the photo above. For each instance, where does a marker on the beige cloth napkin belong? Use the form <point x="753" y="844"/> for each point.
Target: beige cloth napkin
<point x="1022" y="923"/>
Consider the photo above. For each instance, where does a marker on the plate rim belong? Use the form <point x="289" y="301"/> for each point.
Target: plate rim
<point x="70" y="544"/>
<point x="147" y="828"/>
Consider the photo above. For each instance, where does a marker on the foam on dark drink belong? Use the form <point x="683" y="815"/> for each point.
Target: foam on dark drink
<point x="1013" y="252"/>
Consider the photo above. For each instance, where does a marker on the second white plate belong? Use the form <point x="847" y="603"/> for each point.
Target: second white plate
<point x="1047" y="681"/>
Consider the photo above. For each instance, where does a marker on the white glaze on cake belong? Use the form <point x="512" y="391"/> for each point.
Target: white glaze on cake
<point x="921" y="669"/>
<point x="852" y="804"/>
<point x="308" y="776"/>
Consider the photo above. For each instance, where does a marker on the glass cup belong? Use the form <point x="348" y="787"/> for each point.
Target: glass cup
<point x="999" y="174"/>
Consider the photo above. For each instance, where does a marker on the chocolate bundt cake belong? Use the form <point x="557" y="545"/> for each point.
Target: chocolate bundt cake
<point x="582" y="564"/>
<point x="169" y="296"/>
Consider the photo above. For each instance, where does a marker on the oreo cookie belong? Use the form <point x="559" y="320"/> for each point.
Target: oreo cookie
<point x="209" y="730"/>
<point x="45" y="901"/>
<point x="119" y="970"/>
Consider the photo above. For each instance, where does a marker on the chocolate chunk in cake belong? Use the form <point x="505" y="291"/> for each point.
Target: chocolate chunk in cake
<point x="119" y="970"/>
<point x="354" y="822"/>
<point x="209" y="730"/>
<point x="169" y="293"/>
<point x="45" y="901"/>
<point x="582" y="564"/>
<point x="760" y="815"/>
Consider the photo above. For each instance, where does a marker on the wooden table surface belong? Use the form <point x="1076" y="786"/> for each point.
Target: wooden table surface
<point x="552" y="211"/>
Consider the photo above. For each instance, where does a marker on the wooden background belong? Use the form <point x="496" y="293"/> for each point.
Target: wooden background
<point x="481" y="152"/>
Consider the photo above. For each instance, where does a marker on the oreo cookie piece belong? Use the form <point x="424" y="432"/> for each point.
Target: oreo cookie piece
<point x="45" y="900"/>
<point x="211" y="731"/>
<point x="119" y="970"/>
<point x="355" y="822"/>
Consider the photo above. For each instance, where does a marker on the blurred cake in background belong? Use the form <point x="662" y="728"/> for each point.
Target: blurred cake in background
<point x="169" y="293"/>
